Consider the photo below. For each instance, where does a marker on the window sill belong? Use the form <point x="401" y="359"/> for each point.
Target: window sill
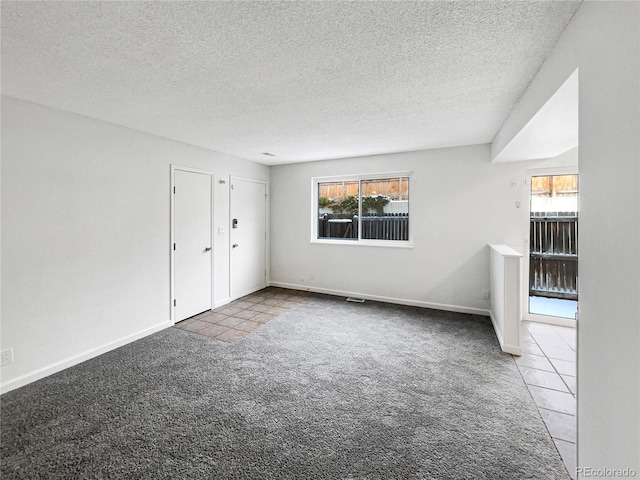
<point x="365" y="243"/>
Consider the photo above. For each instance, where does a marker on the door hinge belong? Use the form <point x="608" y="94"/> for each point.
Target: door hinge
<point x="174" y="302"/>
<point x="174" y="246"/>
<point x="174" y="190"/>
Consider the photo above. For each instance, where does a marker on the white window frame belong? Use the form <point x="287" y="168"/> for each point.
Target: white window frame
<point x="315" y="181"/>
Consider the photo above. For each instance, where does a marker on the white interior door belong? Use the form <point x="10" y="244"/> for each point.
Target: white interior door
<point x="248" y="236"/>
<point x="192" y="244"/>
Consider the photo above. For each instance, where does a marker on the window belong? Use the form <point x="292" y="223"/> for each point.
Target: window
<point x="362" y="209"/>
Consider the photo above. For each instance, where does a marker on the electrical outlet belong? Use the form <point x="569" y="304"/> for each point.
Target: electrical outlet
<point x="6" y="356"/>
<point x="486" y="294"/>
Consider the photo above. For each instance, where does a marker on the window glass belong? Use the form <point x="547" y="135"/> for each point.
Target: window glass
<point x="364" y="209"/>
<point x="338" y="207"/>
<point x="385" y="209"/>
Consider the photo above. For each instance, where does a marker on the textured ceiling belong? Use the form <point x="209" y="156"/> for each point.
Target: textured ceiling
<point x="303" y="80"/>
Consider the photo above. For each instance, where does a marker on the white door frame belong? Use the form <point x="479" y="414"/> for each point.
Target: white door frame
<point x="266" y="227"/>
<point x="540" y="172"/>
<point x="173" y="226"/>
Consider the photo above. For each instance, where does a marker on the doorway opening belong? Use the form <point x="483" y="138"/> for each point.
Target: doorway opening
<point x="553" y="247"/>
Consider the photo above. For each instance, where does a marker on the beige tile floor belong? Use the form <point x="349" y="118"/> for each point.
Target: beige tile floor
<point x="239" y="318"/>
<point x="548" y="367"/>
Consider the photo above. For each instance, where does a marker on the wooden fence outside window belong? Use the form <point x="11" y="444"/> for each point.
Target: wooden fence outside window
<point x="391" y="226"/>
<point x="553" y="259"/>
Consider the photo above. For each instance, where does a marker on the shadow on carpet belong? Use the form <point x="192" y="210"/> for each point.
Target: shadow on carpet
<point x="328" y="390"/>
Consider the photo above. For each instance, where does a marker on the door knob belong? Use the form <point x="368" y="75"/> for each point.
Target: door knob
<point x="206" y="249"/>
<point x="234" y="245"/>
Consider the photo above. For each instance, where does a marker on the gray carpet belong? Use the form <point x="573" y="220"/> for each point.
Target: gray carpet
<point x="328" y="390"/>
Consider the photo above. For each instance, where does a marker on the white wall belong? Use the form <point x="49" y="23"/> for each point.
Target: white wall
<point x="86" y="234"/>
<point x="459" y="202"/>
<point x="603" y="41"/>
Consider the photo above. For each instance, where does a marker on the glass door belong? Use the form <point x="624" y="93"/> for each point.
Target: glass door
<point x="553" y="246"/>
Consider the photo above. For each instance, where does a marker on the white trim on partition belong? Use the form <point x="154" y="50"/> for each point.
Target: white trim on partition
<point x="512" y="349"/>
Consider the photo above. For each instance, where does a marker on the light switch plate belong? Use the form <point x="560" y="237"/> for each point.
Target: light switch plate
<point x="6" y="356"/>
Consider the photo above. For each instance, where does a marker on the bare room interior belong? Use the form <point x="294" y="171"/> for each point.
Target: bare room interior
<point x="320" y="239"/>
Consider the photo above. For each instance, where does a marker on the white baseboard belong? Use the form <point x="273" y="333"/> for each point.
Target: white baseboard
<point x="249" y="292"/>
<point x="379" y="298"/>
<point x="222" y="302"/>
<point x="229" y="299"/>
<point x="76" y="359"/>
<point x="496" y="329"/>
<point x="512" y="349"/>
